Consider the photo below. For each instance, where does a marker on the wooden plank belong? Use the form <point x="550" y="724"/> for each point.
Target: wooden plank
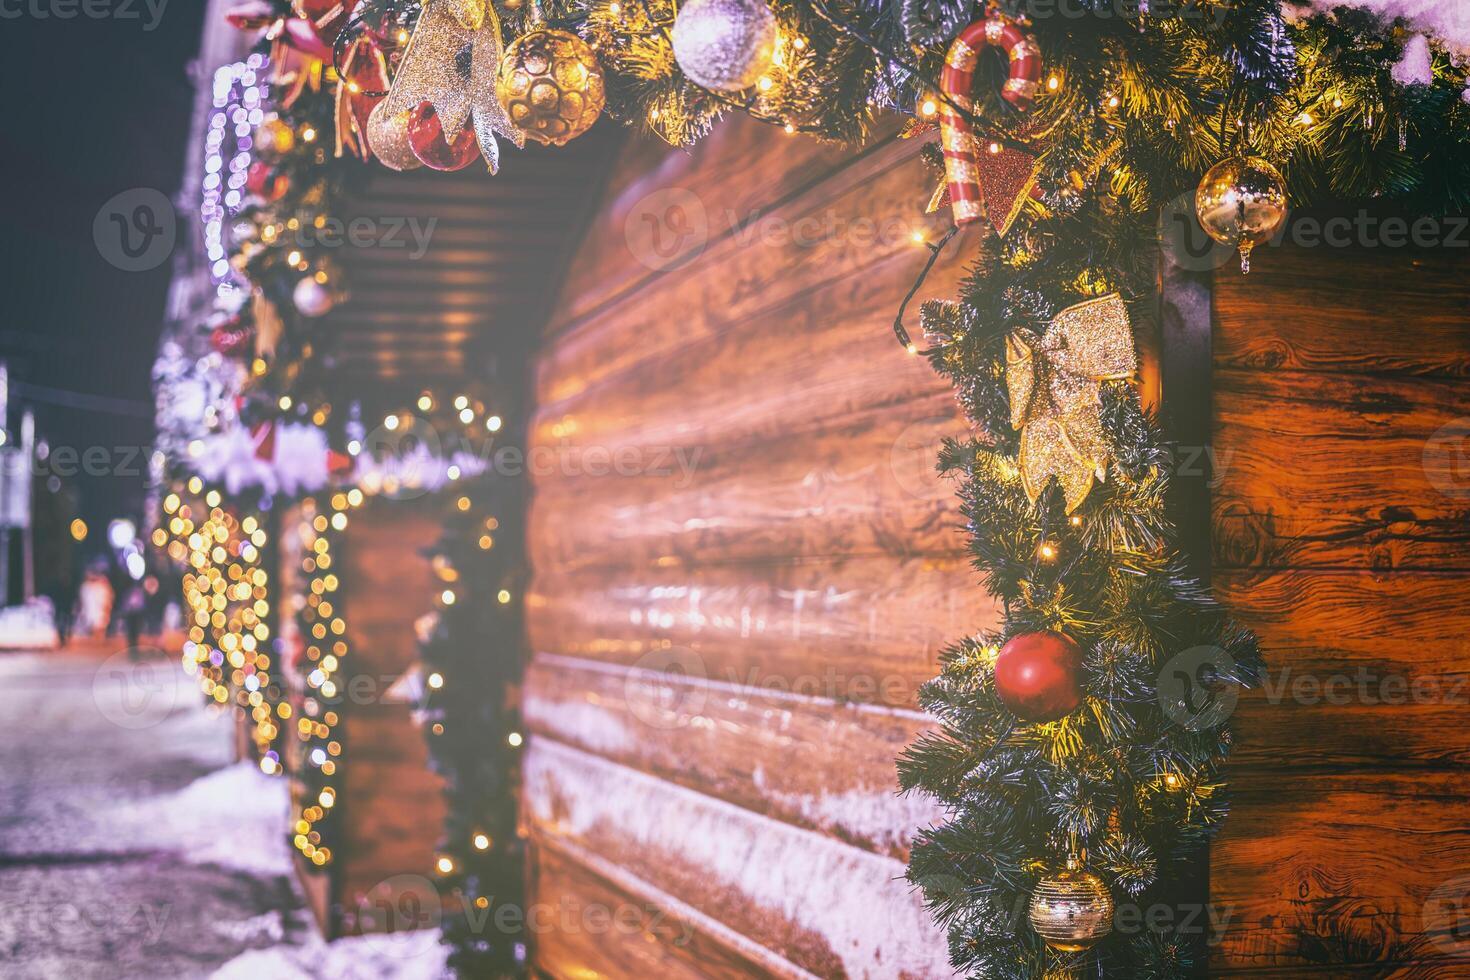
<point x="807" y="761"/>
<point x="866" y="629"/>
<point x="864" y="485"/>
<point x="1365" y="671"/>
<point x="1319" y="870"/>
<point x="796" y="369"/>
<point x="827" y="907"/>
<point x="859" y="219"/>
<point x="1351" y="310"/>
<point x="1340" y="470"/>
<point x="718" y="169"/>
<point x="607" y="923"/>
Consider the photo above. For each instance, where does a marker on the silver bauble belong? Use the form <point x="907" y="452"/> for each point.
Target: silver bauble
<point x="312" y="299"/>
<point x="725" y="45"/>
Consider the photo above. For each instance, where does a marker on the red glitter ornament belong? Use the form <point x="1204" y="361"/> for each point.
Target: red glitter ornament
<point x="1039" y="675"/>
<point x="426" y="140"/>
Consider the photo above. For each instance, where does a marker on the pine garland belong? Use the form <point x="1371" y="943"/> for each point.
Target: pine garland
<point x="1136" y="107"/>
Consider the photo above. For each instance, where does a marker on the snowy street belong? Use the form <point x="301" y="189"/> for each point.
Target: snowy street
<point x="132" y="846"/>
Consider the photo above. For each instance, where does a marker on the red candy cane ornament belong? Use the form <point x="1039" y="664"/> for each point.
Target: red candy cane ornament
<point x="997" y="181"/>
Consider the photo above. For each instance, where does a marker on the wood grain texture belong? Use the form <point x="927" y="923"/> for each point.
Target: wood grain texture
<point x="596" y="920"/>
<point x="803" y="760"/>
<point x="1349" y="310"/>
<point x="825" y="906"/>
<point x="1341" y="520"/>
<point x="865" y="485"/>
<point x="867" y="629"/>
<point x="723" y="172"/>
<point x="1341" y="470"/>
<point x="792" y="268"/>
<point x="1362" y="673"/>
<point x="1338" y="869"/>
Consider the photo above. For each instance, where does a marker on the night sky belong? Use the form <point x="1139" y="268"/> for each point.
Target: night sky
<point x="94" y="107"/>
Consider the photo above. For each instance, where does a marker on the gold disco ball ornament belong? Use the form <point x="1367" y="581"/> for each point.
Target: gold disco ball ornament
<point x="1072" y="910"/>
<point x="1241" y="202"/>
<point x="551" y="85"/>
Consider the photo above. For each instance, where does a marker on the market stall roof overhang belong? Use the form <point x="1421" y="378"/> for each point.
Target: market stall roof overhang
<point x="445" y="269"/>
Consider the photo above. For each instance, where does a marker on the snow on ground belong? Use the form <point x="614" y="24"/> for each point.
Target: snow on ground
<point x="132" y="847"/>
<point x="234" y="817"/>
<point x="415" y="956"/>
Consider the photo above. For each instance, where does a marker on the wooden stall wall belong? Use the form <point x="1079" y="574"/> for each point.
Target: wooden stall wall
<point x="389" y="802"/>
<point x="744" y="567"/>
<point x="1342" y="517"/>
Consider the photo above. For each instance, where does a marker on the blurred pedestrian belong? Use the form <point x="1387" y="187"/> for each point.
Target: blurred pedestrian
<point x="94" y="603"/>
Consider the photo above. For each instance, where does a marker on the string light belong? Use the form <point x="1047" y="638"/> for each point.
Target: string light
<point x="1047" y="551"/>
<point x="239" y="96"/>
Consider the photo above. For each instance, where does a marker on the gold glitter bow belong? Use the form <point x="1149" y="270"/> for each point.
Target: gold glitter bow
<point x="451" y="62"/>
<point x="1055" y="384"/>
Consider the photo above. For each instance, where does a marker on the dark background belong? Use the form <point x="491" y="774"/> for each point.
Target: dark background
<point x="93" y="108"/>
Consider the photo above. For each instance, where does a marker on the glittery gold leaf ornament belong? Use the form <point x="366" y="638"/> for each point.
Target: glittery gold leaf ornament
<point x="453" y="67"/>
<point x="1055" y="384"/>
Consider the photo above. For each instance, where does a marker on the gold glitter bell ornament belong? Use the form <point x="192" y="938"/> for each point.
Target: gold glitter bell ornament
<point x="724" y="45"/>
<point x="551" y="85"/>
<point x="1241" y="202"/>
<point x="1072" y="910"/>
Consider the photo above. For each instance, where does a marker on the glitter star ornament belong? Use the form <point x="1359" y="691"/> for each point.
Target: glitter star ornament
<point x="451" y="63"/>
<point x="725" y="45"/>
<point x="1055" y="384"/>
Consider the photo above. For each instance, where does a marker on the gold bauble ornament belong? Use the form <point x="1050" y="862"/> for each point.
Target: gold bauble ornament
<point x="1072" y="910"/>
<point x="551" y="85"/>
<point x="275" y="135"/>
<point x="1241" y="202"/>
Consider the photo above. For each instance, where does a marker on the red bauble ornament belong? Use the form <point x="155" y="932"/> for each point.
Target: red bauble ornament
<point x="426" y="139"/>
<point x="232" y="338"/>
<point x="264" y="182"/>
<point x="1039" y="675"/>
